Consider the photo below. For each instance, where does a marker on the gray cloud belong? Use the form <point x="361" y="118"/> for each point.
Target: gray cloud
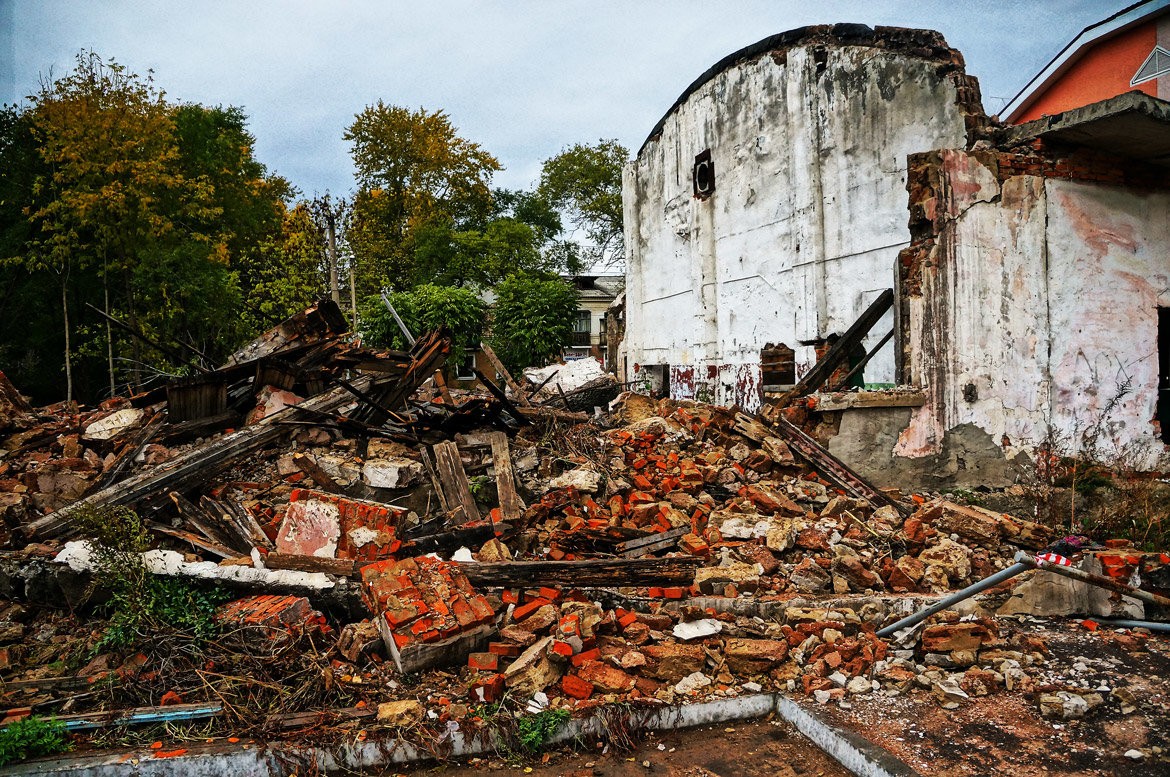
<point x="524" y="79"/>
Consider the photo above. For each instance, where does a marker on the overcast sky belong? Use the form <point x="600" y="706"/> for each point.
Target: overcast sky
<point x="524" y="79"/>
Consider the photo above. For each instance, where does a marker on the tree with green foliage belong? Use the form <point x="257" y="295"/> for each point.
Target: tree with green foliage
<point x="532" y="320"/>
<point x="412" y="168"/>
<point x="586" y="182"/>
<point x="422" y="309"/>
<point x="284" y="272"/>
<point x="155" y="214"/>
<point x="113" y="190"/>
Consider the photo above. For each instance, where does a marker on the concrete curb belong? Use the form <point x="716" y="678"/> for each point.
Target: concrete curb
<point x="853" y="752"/>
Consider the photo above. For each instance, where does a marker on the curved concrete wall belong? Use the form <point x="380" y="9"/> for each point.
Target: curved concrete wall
<point x="809" y="142"/>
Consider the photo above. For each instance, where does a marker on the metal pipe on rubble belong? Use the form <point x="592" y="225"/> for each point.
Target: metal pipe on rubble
<point x="1122" y="623"/>
<point x="1024" y="562"/>
<point x="955" y="598"/>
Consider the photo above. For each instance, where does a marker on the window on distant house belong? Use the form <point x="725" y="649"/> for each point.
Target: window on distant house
<point x="1157" y="64"/>
<point x="463" y="370"/>
<point x="581" y="328"/>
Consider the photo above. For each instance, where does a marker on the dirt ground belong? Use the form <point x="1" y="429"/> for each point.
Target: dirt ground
<point x="736" y="750"/>
<point x="1004" y="733"/>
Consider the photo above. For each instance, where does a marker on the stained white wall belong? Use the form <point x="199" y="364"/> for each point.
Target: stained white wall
<point x="1044" y="297"/>
<point x="806" y="221"/>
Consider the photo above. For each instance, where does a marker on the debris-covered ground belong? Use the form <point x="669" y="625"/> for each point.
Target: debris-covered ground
<point x="322" y="543"/>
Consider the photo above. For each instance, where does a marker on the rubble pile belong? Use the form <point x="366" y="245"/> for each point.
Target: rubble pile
<point x="499" y="549"/>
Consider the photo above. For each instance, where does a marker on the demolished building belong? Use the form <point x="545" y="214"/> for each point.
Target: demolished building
<point x="1028" y="272"/>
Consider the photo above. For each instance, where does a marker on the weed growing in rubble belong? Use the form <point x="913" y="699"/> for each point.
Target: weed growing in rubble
<point x="31" y="737"/>
<point x="533" y="731"/>
<point x="141" y="603"/>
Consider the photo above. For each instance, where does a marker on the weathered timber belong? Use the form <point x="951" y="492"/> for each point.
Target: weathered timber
<point x="423" y="655"/>
<point x="517" y="392"/>
<point x="553" y="414"/>
<point x="453" y="480"/>
<point x="433" y="473"/>
<point x="199" y="542"/>
<point x="186" y="470"/>
<point x="511" y="506"/>
<point x="427" y="355"/>
<point x="839" y="353"/>
<point x="499" y="394"/>
<point x="844" y="382"/>
<point x="673" y="570"/>
<point x="343" y="567"/>
<point x="208" y="524"/>
<point x="643" y="546"/>
<point x="138" y="716"/>
<point x="307" y="464"/>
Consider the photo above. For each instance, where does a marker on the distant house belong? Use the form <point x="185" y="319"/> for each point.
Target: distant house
<point x="1129" y="51"/>
<point x="594" y="293"/>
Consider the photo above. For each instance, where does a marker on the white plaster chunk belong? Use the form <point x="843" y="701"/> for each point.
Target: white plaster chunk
<point x="394" y="472"/>
<point x="113" y="424"/>
<point x="583" y="479"/>
<point x="695" y="629"/>
<point x="79" y="557"/>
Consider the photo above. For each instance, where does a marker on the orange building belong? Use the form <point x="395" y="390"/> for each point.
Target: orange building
<point x="1129" y="51"/>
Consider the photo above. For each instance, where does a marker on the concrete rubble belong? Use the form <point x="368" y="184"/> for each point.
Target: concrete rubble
<point x="652" y="552"/>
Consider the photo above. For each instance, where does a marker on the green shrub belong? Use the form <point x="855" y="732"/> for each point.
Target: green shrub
<point x="140" y="603"/>
<point x="31" y="737"/>
<point x="534" y="730"/>
<point x="533" y="320"/>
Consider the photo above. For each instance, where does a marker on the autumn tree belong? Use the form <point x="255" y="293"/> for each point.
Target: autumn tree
<point x="113" y="186"/>
<point x="412" y="168"/>
<point x="285" y="271"/>
<point x="586" y="182"/>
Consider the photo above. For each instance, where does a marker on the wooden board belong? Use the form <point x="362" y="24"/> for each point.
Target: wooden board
<point x="453" y="480"/>
<point x="674" y="570"/>
<point x="517" y="394"/>
<point x="331" y="566"/>
<point x="511" y="506"/>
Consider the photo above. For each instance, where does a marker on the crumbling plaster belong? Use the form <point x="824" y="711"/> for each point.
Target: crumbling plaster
<point x="808" y="215"/>
<point x="1037" y="318"/>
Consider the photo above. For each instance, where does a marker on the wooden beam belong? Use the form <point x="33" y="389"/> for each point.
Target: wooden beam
<point x="839" y="353"/>
<point x="199" y="542"/>
<point x="520" y="396"/>
<point x="642" y="546"/>
<point x="673" y="570"/>
<point x="511" y="506"/>
<point x="453" y="479"/>
<point x="307" y="464"/>
<point x="343" y="567"/>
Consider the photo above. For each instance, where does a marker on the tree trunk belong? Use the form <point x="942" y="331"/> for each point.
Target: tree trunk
<point x="109" y="335"/>
<point x="68" y="355"/>
<point x="331" y="251"/>
<point x="353" y="291"/>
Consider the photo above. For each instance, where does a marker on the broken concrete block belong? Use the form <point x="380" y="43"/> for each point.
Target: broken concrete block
<point x="401" y="714"/>
<point x="754" y="656"/>
<point x="585" y="480"/>
<point x="692" y="683"/>
<point x="745" y="577"/>
<point x="391" y="472"/>
<point x="533" y="670"/>
<point x="115" y="423"/>
<point x="808" y="576"/>
<point x="697" y="629"/>
<point x="673" y="661"/>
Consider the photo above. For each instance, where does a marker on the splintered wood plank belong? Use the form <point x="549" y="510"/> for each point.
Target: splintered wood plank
<point x="331" y="566"/>
<point x="511" y="506"/>
<point x="641" y="546"/>
<point x="453" y="480"/>
<point x="307" y="464"/>
<point x="673" y="570"/>
<point x="520" y="397"/>
<point x="196" y="540"/>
